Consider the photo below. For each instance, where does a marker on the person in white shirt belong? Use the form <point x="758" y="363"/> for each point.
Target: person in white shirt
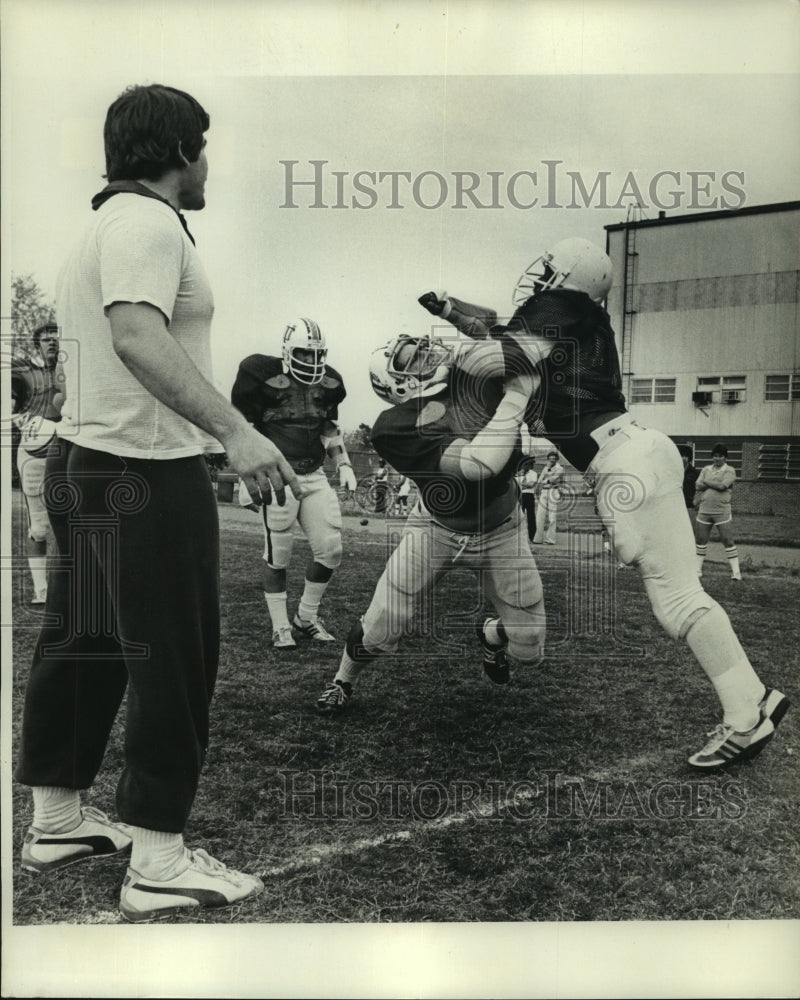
<point x="714" y="484"/>
<point x="135" y="608"/>
<point x="551" y="478"/>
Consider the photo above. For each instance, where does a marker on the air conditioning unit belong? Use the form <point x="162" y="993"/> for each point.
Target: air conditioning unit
<point x="701" y="398"/>
<point x="732" y="395"/>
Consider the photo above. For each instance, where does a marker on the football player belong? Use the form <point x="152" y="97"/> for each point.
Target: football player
<point x="456" y="436"/>
<point x="37" y="400"/>
<point x="293" y="400"/>
<point x="561" y="334"/>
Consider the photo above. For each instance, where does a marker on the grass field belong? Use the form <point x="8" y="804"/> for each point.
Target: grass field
<point x="440" y="797"/>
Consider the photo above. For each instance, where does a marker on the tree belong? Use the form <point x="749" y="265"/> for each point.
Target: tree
<point x="358" y="440"/>
<point x="29" y="310"/>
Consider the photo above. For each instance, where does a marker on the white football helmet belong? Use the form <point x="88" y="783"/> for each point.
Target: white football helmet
<point x="575" y="264"/>
<point x="304" y="335"/>
<point x="410" y="366"/>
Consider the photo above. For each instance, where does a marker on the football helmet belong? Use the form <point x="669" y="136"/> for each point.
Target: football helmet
<point x="574" y="263"/>
<point x="304" y="335"/>
<point x="409" y="366"/>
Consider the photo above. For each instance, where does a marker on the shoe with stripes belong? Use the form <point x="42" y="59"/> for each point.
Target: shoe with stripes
<point x="334" y="698"/>
<point x="96" y="836"/>
<point x="726" y="746"/>
<point x="495" y="661"/>
<point x="205" y="884"/>
<point x="313" y="629"/>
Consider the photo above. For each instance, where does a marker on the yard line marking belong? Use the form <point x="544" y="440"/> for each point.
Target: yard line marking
<point x="316" y="854"/>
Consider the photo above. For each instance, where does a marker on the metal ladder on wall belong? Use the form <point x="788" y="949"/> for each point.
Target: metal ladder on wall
<point x="634" y="214"/>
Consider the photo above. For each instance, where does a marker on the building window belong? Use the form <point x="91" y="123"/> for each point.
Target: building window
<point x="723" y="388"/>
<point x="779" y="388"/>
<point x="653" y="390"/>
<point x="779" y="462"/>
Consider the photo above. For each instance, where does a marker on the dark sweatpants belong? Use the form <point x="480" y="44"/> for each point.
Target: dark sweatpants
<point x="528" y="503"/>
<point x="134" y="600"/>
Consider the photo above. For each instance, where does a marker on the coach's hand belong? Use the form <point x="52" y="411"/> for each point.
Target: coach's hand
<point x="261" y="465"/>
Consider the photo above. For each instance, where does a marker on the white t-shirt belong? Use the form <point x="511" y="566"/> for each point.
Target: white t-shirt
<point x="135" y="250"/>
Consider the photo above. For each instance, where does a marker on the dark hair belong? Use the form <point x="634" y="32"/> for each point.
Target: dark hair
<point x="719" y="449"/>
<point x="685" y="451"/>
<point x="147" y="129"/>
<point x="552" y="453"/>
<point x="44" y="328"/>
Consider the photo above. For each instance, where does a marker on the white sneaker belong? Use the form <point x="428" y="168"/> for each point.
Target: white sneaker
<point x="205" y="883"/>
<point x="282" y="638"/>
<point x="96" y="836"/>
<point x="313" y="629"/>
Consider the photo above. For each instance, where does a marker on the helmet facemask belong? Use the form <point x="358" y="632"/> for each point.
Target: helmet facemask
<point x="399" y="373"/>
<point x="574" y="264"/>
<point x="304" y="335"/>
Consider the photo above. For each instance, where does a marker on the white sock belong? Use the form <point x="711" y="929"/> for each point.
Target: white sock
<point x="733" y="558"/>
<point x="157" y="855"/>
<point x="310" y="601"/>
<point x="276" y="606"/>
<point x="348" y="669"/>
<point x="38" y="566"/>
<point x="720" y="654"/>
<point x="56" y="810"/>
<point x="701" y="554"/>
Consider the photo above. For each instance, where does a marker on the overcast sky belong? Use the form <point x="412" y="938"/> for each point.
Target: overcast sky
<point x="276" y="92"/>
<point x="615" y="90"/>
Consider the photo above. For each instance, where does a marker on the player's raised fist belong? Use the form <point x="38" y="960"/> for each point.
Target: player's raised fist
<point x="433" y="302"/>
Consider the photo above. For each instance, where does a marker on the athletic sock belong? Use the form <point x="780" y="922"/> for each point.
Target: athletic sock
<point x="158" y="855"/>
<point x="701" y="554"/>
<point x="310" y="601"/>
<point x="349" y="669"/>
<point x="56" y="810"/>
<point x="276" y="606"/>
<point x="733" y="558"/>
<point x="38" y="567"/>
<point x="712" y="640"/>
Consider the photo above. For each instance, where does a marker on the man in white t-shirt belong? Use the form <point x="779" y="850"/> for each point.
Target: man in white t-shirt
<point x="135" y="603"/>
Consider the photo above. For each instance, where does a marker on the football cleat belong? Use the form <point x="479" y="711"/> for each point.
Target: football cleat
<point x="773" y="706"/>
<point x="206" y="883"/>
<point x="726" y="746"/>
<point x="96" y="836"/>
<point x="334" y="698"/>
<point x="495" y="661"/>
<point x="313" y="629"/>
<point x="282" y="638"/>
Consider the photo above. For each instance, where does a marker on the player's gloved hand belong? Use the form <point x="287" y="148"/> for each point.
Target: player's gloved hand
<point x="347" y="478"/>
<point x="435" y="302"/>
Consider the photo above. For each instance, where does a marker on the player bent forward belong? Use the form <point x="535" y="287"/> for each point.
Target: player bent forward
<point x="561" y="334"/>
<point x="456" y="436"/>
<point x="293" y="400"/>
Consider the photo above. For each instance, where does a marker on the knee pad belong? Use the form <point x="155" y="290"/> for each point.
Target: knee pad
<point x="38" y="521"/>
<point x="354" y="645"/>
<point x="677" y="613"/>
<point x="329" y="552"/>
<point x="278" y="548"/>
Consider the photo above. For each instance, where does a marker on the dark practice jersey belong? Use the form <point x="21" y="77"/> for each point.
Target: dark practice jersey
<point x="413" y="436"/>
<point x="289" y="413"/>
<point x="581" y="382"/>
